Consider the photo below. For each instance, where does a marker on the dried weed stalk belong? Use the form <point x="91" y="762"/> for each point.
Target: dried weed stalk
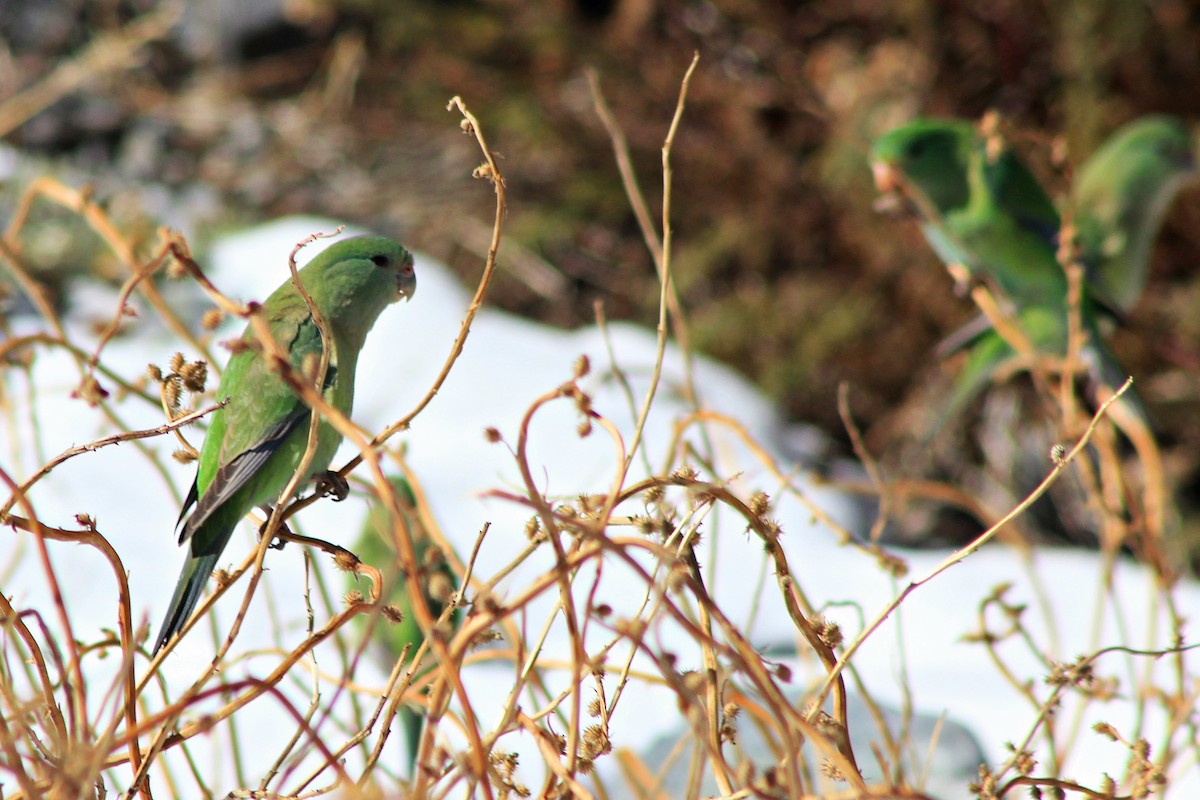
<point x="59" y="740"/>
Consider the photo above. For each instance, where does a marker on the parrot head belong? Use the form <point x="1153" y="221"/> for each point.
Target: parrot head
<point x="927" y="163"/>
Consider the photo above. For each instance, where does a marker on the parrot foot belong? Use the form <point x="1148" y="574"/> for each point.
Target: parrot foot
<point x="332" y="483"/>
<point x="277" y="543"/>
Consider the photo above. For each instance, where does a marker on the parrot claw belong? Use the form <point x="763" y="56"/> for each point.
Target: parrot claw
<point x="332" y="483"/>
<point x="277" y="543"/>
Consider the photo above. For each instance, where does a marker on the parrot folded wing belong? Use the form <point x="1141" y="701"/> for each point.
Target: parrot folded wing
<point x="234" y="475"/>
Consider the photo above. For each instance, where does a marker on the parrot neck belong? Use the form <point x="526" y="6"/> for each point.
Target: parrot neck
<point x="350" y="316"/>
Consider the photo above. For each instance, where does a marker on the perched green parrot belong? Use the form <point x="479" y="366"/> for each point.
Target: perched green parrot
<point x="984" y="211"/>
<point x="256" y="441"/>
<point x="1119" y="198"/>
<point x="981" y="211"/>
<point x="376" y="547"/>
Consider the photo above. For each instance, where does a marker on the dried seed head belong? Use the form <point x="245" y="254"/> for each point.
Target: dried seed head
<point x="485" y="637"/>
<point x="595" y="741"/>
<point x="154" y="373"/>
<point x="176" y="362"/>
<point x="492" y="435"/>
<point x="505" y="763"/>
<point x="684" y="473"/>
<point x="828" y="632"/>
<point x="582" y="366"/>
<point x="352" y="597"/>
<point x="172" y="388"/>
<point x="532" y="528"/>
<point x="392" y="613"/>
<point x="584" y="428"/>
<point x="90" y="391"/>
<point x="211" y="319"/>
<point x="593" y="707"/>
<point x="1058" y="454"/>
<point x="759" y="503"/>
<point x="184" y="456"/>
<point x="346" y="561"/>
<point x="771" y="529"/>
<point x="194" y="376"/>
<point x="1024" y="762"/>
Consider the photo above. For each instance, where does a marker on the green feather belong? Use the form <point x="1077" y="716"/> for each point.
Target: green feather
<point x="438" y="582"/>
<point x="256" y="441"/>
<point x="1119" y="198"/>
<point x="983" y="209"/>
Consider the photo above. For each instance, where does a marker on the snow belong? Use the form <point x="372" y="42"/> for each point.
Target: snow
<point x="507" y="364"/>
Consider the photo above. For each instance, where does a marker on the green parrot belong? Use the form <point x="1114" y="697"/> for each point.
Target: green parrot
<point x="256" y="441"/>
<point x="375" y="546"/>
<point x="983" y="211"/>
<point x="1119" y="198"/>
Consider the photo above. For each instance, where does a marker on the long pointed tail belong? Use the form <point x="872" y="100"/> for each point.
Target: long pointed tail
<point x="187" y="593"/>
<point x="412" y="721"/>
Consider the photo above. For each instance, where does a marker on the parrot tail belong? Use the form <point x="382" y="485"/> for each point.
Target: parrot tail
<point x="412" y="721"/>
<point x="195" y="575"/>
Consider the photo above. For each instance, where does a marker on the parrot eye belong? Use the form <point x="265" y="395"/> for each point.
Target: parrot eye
<point x="380" y="260"/>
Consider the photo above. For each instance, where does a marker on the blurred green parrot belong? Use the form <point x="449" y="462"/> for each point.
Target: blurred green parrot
<point x="375" y="546"/>
<point x="256" y="441"/>
<point x="1119" y="197"/>
<point x="985" y="213"/>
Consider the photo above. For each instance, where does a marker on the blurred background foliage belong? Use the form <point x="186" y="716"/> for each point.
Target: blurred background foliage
<point x="248" y="110"/>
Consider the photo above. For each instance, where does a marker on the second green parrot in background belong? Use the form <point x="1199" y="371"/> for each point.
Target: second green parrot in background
<point x="1119" y="197"/>
<point x="984" y="211"/>
<point x="375" y="546"/>
<point x="256" y="441"/>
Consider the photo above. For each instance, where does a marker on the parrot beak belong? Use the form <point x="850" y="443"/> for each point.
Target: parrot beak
<point x="892" y="200"/>
<point x="887" y="179"/>
<point x="406" y="281"/>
